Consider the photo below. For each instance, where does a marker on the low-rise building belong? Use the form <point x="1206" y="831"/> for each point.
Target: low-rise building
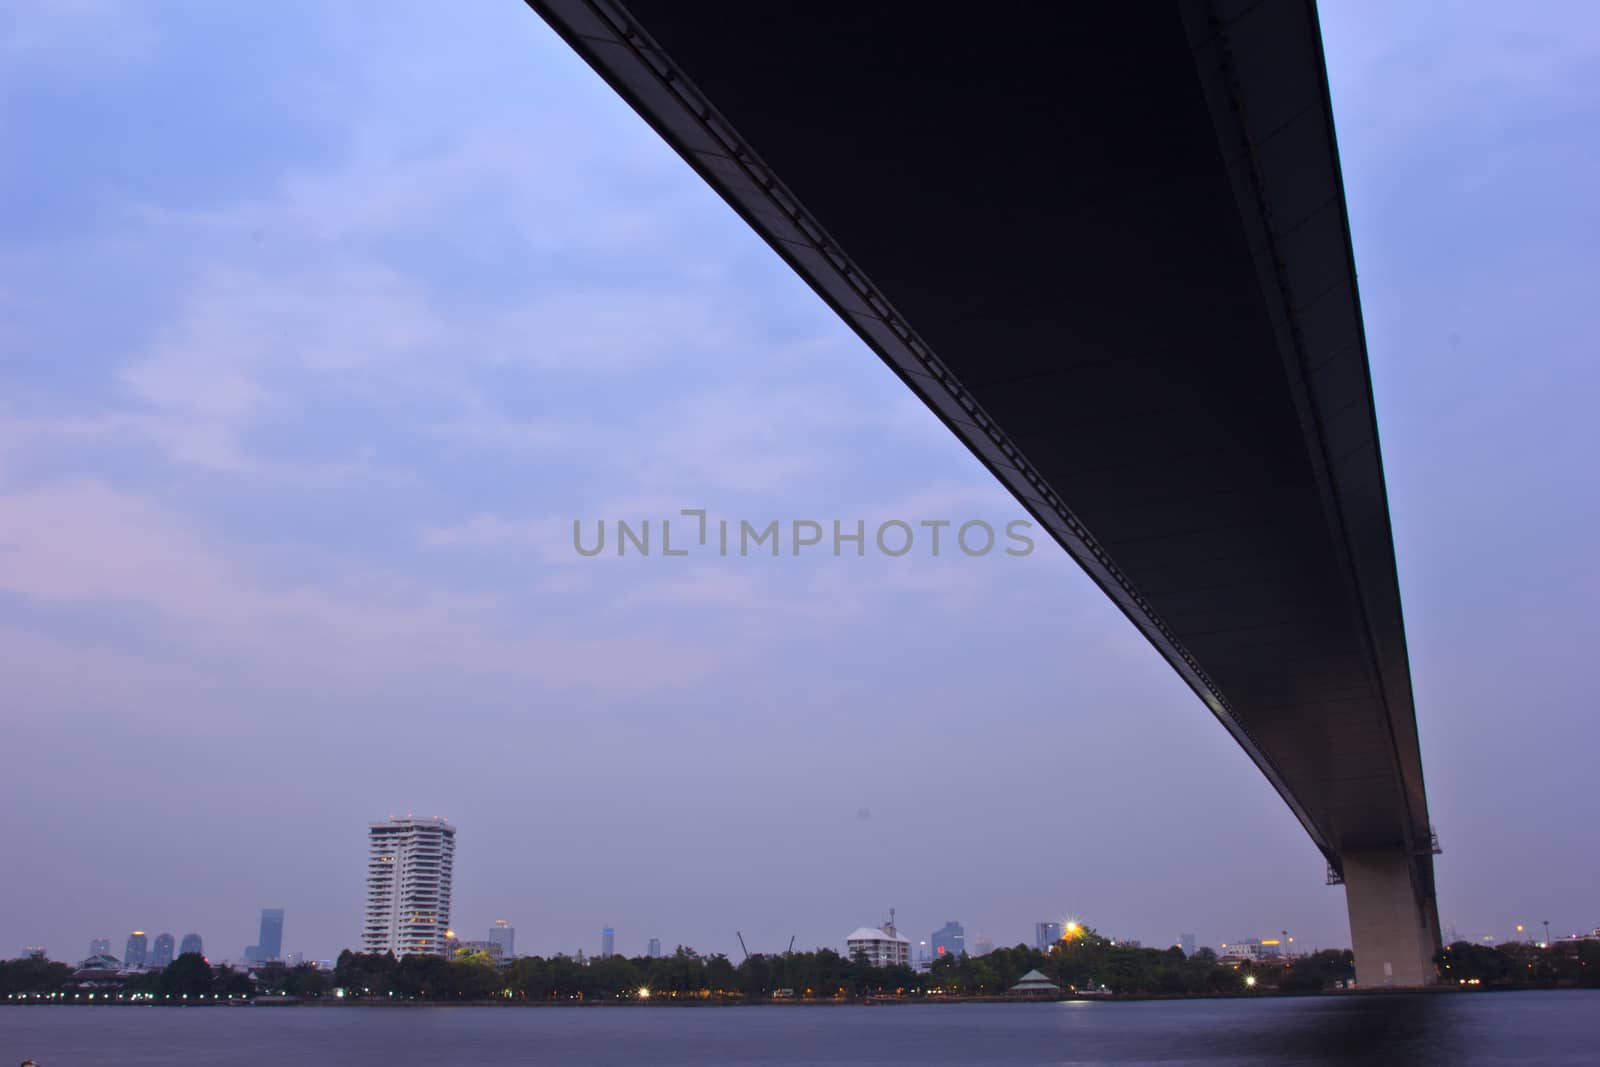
<point x="1034" y="984"/>
<point x="881" y="947"/>
<point x="493" y="949"/>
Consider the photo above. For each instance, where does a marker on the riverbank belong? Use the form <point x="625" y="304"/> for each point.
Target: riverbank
<point x="669" y="1001"/>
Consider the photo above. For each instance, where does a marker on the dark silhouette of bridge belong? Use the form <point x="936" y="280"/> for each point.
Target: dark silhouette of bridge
<point x="1107" y="244"/>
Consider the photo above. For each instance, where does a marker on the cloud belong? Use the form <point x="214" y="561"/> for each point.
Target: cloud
<point x="548" y="540"/>
<point x="242" y="337"/>
<point x="79" y="38"/>
<point x="87" y="545"/>
<point x="49" y="675"/>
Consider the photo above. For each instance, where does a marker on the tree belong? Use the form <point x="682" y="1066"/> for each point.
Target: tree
<point x="717" y="974"/>
<point x="1318" y="971"/>
<point x="365" y="973"/>
<point x="423" y="977"/>
<point x="1466" y="963"/>
<point x="613" y="977"/>
<point x="272" y="977"/>
<point x="229" y="982"/>
<point x="306" y="981"/>
<point x="34" y="975"/>
<point x="187" y="976"/>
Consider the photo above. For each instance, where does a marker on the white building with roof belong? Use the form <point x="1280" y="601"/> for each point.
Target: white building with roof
<point x="1035" y="984"/>
<point x="881" y="947"/>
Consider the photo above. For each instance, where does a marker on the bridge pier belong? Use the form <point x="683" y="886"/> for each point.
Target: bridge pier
<point x="1394" y="923"/>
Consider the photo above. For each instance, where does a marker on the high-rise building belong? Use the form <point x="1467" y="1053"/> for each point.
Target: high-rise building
<point x="1045" y="935"/>
<point x="137" y="950"/>
<point x="949" y="940"/>
<point x="608" y="942"/>
<point x="655" y="948"/>
<point x="161" y="951"/>
<point x="504" y="935"/>
<point x="191" y="943"/>
<point x="270" y="940"/>
<point x="982" y="945"/>
<point x="410" y="867"/>
<point x="100" y="946"/>
<point x="1186" y="942"/>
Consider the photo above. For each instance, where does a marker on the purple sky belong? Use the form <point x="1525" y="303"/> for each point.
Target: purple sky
<point x="317" y="332"/>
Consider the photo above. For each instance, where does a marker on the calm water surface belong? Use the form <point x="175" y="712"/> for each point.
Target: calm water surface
<point x="1485" y="1028"/>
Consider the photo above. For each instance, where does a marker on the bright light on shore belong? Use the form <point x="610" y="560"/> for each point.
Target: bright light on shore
<point x="644" y="994"/>
<point x="1250" y="981"/>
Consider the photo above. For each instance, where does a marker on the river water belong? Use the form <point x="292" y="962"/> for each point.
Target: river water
<point x="1473" y="1028"/>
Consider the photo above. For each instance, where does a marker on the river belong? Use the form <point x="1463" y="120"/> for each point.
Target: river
<point x="1473" y="1028"/>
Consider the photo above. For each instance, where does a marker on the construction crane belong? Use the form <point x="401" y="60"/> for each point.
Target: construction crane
<point x="741" y="943"/>
<point x="790" y="949"/>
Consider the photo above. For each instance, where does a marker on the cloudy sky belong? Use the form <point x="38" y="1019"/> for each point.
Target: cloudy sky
<point x="317" y="331"/>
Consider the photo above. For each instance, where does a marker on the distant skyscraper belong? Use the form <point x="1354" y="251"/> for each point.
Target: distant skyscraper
<point x="161" y="952"/>
<point x="271" y="939"/>
<point x="655" y="948"/>
<point x="1046" y="935"/>
<point x="982" y="945"/>
<point x="608" y="942"/>
<point x="191" y="943"/>
<point x="504" y="935"/>
<point x="100" y="946"/>
<point x="410" y="869"/>
<point x="949" y="940"/>
<point x="137" y="950"/>
<point x="1186" y="942"/>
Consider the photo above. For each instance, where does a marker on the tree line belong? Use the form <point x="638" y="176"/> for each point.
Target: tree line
<point x="1087" y="962"/>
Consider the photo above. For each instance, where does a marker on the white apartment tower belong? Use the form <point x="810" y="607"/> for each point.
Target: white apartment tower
<point x="410" y="862"/>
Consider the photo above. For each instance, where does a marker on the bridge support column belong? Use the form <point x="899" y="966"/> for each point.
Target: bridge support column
<point x="1394" y="924"/>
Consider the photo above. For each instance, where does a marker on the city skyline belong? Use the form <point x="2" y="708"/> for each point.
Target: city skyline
<point x="501" y="935"/>
<point x="371" y="325"/>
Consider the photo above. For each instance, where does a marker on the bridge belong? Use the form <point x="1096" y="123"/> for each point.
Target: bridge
<point x="1107" y="245"/>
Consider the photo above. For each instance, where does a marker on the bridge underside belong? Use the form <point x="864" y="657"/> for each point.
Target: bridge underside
<point x="1108" y="246"/>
